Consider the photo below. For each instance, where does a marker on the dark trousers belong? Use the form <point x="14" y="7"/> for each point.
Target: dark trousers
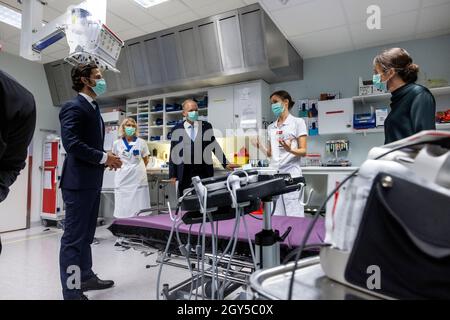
<point x="189" y="171"/>
<point x="82" y="208"/>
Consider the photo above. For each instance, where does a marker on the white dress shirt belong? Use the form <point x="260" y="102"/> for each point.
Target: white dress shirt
<point x="188" y="128"/>
<point x="90" y="100"/>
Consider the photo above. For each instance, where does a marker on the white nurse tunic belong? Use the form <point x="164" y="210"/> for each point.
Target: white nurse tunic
<point x="131" y="192"/>
<point x="288" y="204"/>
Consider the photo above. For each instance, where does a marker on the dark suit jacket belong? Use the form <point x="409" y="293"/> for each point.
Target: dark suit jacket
<point x="204" y="140"/>
<point x="17" y="124"/>
<point x="82" y="135"/>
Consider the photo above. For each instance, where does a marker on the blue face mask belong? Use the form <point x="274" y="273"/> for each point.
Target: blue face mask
<point x="192" y="116"/>
<point x="277" y="109"/>
<point x="130" y="131"/>
<point x="377" y="83"/>
<point x="100" y="87"/>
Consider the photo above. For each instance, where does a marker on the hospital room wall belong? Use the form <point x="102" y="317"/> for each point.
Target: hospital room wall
<point x="340" y="73"/>
<point x="32" y="76"/>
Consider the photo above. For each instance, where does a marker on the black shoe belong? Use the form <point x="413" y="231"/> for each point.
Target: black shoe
<point x="95" y="283"/>
<point x="83" y="297"/>
<point x="78" y="297"/>
<point x="118" y="242"/>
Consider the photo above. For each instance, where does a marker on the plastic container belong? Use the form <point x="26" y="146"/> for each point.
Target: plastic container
<point x="312" y="160"/>
<point x="242" y="157"/>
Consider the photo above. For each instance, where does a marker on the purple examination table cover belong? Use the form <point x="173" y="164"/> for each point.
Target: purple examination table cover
<point x="163" y="222"/>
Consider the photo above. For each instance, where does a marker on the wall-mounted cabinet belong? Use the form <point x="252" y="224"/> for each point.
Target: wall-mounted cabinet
<point x="188" y="40"/>
<point x="154" y="61"/>
<point x="253" y="37"/>
<point x="112" y="81"/>
<point x="172" y="61"/>
<point x="336" y="116"/>
<point x="60" y="81"/>
<point x="137" y="65"/>
<point x="221" y="108"/>
<point x="124" y="78"/>
<point x="241" y="106"/>
<point x="209" y="44"/>
<point x="230" y="41"/>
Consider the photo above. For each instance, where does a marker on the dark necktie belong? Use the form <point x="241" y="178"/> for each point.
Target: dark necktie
<point x="99" y="116"/>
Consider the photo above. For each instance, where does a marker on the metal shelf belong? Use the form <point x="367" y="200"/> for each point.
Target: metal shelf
<point x="368" y="131"/>
<point x="443" y="126"/>
<point x="442" y="91"/>
<point x="175" y="112"/>
<point x="371" y="98"/>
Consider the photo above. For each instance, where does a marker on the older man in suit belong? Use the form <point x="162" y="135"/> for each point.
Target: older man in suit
<point x="192" y="145"/>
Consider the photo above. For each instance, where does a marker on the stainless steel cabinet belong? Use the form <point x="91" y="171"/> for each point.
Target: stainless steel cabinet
<point x="137" y="64"/>
<point x="252" y="31"/>
<point x="51" y="83"/>
<point x="189" y="51"/>
<point x="124" y="81"/>
<point x="60" y="82"/>
<point x="111" y="80"/>
<point x="172" y="63"/>
<point x="238" y="45"/>
<point x="230" y="41"/>
<point x="209" y="44"/>
<point x="154" y="62"/>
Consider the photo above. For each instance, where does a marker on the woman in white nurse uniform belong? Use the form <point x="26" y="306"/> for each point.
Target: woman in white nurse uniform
<point x="131" y="184"/>
<point x="287" y="144"/>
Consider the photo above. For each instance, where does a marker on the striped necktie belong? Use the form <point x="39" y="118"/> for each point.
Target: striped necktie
<point x="192" y="132"/>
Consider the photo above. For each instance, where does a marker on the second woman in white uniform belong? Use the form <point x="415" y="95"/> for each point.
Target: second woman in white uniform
<point x="287" y="144"/>
<point x="131" y="184"/>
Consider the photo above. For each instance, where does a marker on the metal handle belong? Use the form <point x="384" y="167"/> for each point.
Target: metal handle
<point x="302" y="193"/>
<point x="285" y="234"/>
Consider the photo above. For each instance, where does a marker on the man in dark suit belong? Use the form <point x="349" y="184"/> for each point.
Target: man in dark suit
<point x="192" y="145"/>
<point x="82" y="132"/>
<point x="17" y="123"/>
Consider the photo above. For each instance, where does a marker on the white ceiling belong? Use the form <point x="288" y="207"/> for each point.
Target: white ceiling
<point x="315" y="27"/>
<point x="323" y="27"/>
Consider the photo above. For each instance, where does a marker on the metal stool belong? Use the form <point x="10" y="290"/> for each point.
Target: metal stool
<point x="160" y="207"/>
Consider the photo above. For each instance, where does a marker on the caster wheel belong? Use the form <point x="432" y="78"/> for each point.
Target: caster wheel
<point x="44" y="223"/>
<point x="60" y="224"/>
<point x="208" y="289"/>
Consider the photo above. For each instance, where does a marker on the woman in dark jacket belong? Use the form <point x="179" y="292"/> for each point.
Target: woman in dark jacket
<point x="413" y="108"/>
